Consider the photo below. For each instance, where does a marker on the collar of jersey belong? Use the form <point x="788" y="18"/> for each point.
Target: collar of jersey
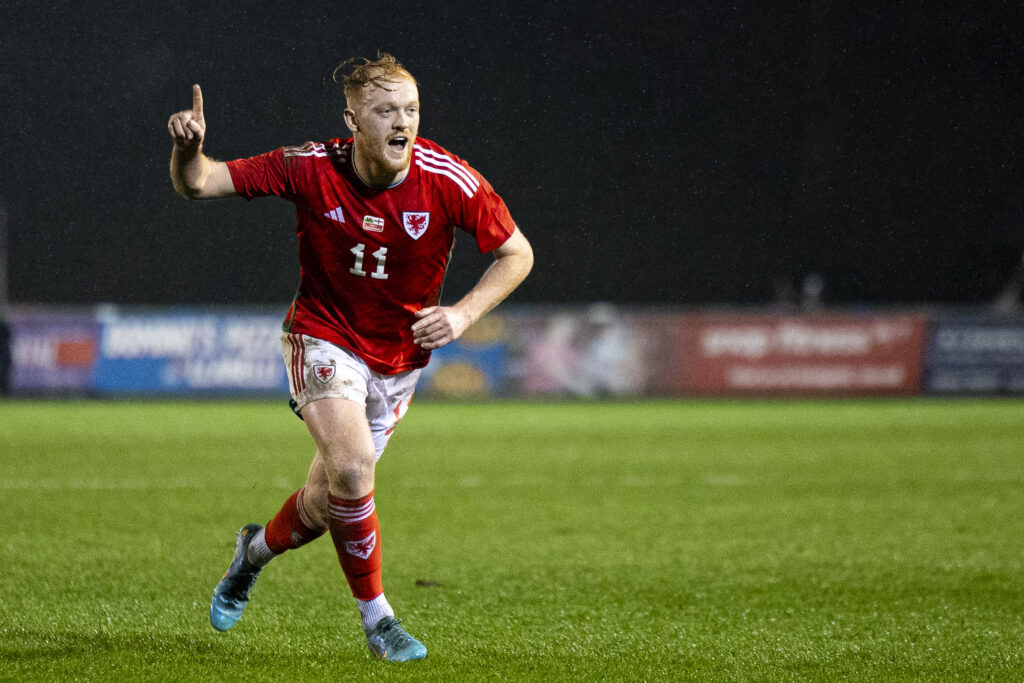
<point x="355" y="171"/>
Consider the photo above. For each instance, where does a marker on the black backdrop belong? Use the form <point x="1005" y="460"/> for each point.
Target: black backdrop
<point x="653" y="152"/>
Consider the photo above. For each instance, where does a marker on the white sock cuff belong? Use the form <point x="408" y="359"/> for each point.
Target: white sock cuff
<point x="258" y="552"/>
<point x="374" y="610"/>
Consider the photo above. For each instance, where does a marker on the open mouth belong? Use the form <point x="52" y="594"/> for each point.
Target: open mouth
<point x="398" y="144"/>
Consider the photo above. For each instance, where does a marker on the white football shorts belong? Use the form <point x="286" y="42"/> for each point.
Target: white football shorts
<point x="319" y="369"/>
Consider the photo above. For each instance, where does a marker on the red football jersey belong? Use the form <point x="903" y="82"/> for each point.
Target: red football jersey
<point x="370" y="257"/>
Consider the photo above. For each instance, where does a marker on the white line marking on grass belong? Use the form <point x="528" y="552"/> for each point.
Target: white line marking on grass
<point x="642" y="482"/>
<point x="134" y="484"/>
<point x="723" y="480"/>
<point x="472" y="481"/>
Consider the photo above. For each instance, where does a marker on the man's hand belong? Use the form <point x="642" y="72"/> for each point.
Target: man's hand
<point x="438" y="325"/>
<point x="188" y="127"/>
<point x="195" y="176"/>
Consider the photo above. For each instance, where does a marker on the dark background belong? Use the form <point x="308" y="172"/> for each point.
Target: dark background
<point x="653" y="152"/>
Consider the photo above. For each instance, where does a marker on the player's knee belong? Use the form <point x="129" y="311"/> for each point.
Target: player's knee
<point x="352" y="475"/>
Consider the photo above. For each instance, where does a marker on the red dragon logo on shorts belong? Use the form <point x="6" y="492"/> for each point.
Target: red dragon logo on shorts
<point x="324" y="373"/>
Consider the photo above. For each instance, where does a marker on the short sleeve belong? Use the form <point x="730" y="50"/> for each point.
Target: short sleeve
<point x="262" y="175"/>
<point x="484" y="215"/>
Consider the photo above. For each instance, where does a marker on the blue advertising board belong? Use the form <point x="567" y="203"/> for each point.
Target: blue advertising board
<point x="975" y="356"/>
<point x="190" y="352"/>
<point x="113" y="352"/>
<point x="475" y="365"/>
<point x="53" y="352"/>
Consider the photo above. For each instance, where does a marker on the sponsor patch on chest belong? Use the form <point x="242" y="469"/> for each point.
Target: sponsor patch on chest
<point x="415" y="222"/>
<point x="373" y="224"/>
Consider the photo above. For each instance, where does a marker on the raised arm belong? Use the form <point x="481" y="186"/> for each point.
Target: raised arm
<point x="195" y="175"/>
<point x="439" y="325"/>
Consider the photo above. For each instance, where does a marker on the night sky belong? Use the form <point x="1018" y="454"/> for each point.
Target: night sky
<point x="653" y="152"/>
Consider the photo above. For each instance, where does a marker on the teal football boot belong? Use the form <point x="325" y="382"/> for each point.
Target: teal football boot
<point x="388" y="640"/>
<point x="231" y="596"/>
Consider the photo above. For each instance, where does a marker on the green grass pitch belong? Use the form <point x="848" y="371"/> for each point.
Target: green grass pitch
<point x="660" y="541"/>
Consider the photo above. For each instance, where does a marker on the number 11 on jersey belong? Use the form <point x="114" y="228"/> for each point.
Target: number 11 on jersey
<point x="380" y="255"/>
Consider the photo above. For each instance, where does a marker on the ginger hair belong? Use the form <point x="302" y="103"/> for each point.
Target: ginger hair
<point x="365" y="73"/>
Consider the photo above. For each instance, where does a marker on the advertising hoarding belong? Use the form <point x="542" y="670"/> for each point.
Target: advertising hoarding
<point x="596" y="351"/>
<point x="830" y="355"/>
<point x="53" y="352"/>
<point x="473" y="366"/>
<point x="190" y="352"/>
<point x="975" y="356"/>
<point x="599" y="351"/>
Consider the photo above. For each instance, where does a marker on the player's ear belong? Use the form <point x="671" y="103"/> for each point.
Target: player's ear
<point x="350" y="120"/>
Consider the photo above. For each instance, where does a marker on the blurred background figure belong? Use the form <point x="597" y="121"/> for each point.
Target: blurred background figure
<point x="1008" y="300"/>
<point x="553" y="361"/>
<point x="5" y="330"/>
<point x="5" y="357"/>
<point x="597" y="354"/>
<point x="613" y="356"/>
<point x="812" y="292"/>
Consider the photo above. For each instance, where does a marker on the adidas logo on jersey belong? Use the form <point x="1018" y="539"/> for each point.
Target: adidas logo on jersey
<point x="335" y="215"/>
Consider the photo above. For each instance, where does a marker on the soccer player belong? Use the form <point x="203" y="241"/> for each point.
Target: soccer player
<point x="377" y="215"/>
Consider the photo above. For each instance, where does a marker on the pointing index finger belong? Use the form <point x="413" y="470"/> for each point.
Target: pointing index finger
<point x="197" y="101"/>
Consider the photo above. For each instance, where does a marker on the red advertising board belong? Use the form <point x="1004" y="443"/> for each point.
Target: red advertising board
<point x="826" y="355"/>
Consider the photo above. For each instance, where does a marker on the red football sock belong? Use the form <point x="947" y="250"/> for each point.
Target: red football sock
<point x="287" y="531"/>
<point x="356" y="534"/>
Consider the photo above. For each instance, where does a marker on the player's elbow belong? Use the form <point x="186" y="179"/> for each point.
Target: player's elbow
<point x="188" y="192"/>
<point x="185" y="188"/>
<point x="526" y="257"/>
<point x="521" y="252"/>
<point x="202" y="190"/>
<point x="204" y="179"/>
